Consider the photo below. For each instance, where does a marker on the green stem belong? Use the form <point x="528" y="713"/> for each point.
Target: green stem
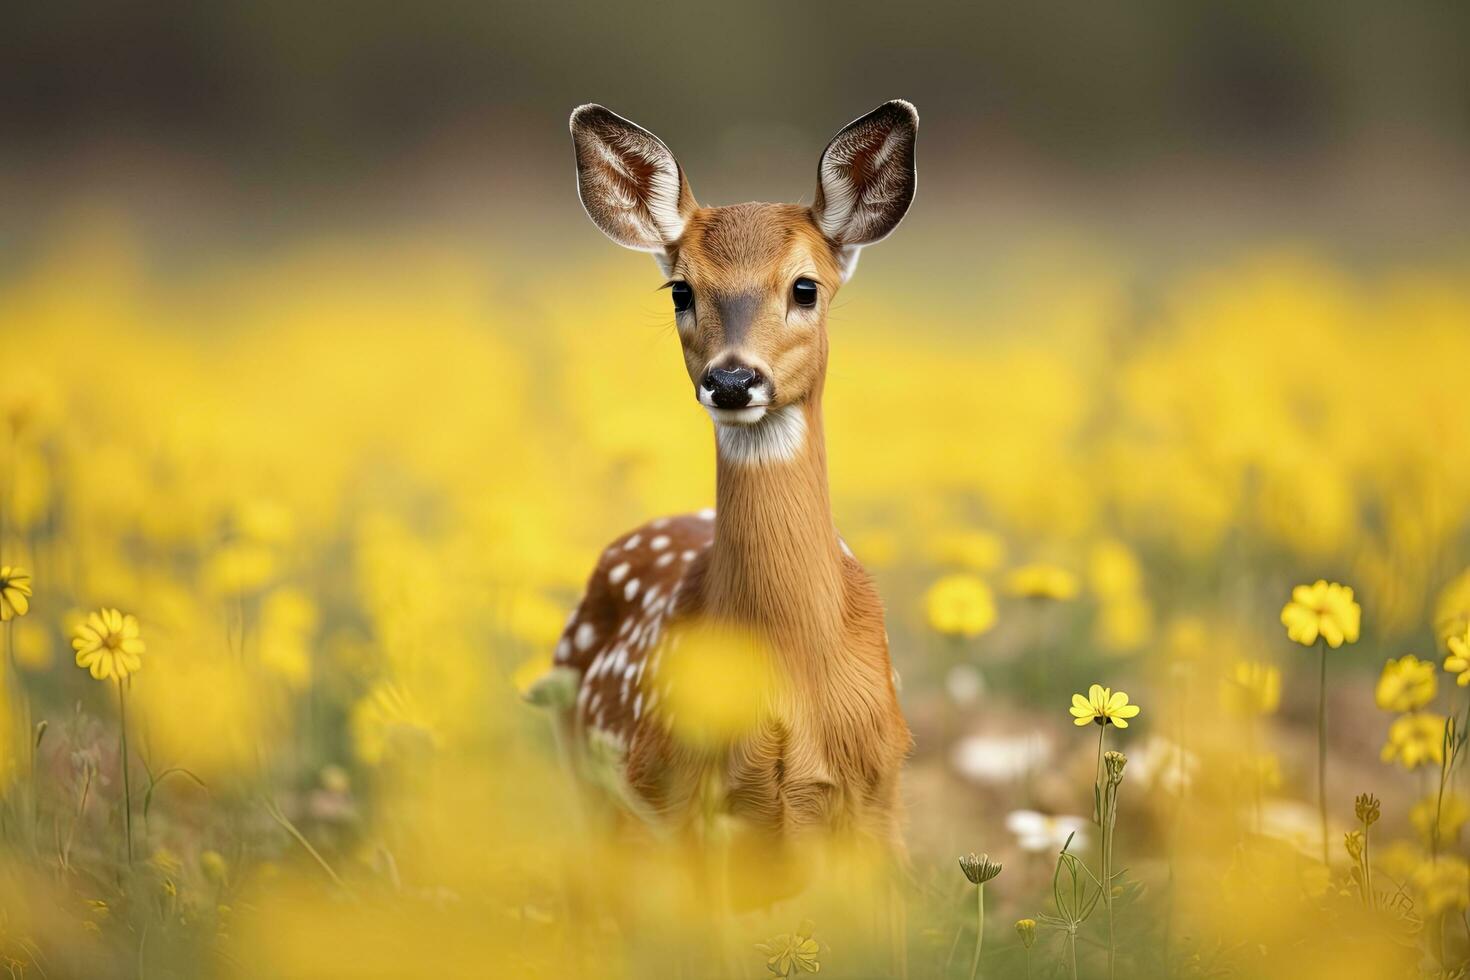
<point x="1072" y="939"/>
<point x="122" y="709"/>
<point x="979" y="928"/>
<point x="1438" y="807"/>
<point x="1367" y="871"/>
<point x="1322" y="746"/>
<point x="1110" y="815"/>
<point x="1097" y="786"/>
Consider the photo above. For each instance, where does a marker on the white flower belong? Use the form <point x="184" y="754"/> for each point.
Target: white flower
<point x="965" y="684"/>
<point x="1040" y="832"/>
<point x="998" y="758"/>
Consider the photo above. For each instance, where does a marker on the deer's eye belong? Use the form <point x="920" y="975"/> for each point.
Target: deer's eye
<point x="683" y="296"/>
<point x="804" y="291"/>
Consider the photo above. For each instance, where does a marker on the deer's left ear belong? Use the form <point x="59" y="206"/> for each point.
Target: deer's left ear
<point x="865" y="182"/>
<point x="629" y="181"/>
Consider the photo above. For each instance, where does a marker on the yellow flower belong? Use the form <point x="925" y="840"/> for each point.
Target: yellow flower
<point x="15" y="592"/>
<point x="1452" y="607"/>
<point x="1041" y="581"/>
<point x="388" y="721"/>
<point x="1458" y="662"/>
<point x="1325" y="609"/>
<point x="1252" y="689"/>
<point x="33" y="648"/>
<point x="1453" y="812"/>
<point x="1414" y="740"/>
<point x="1443" y="884"/>
<point x="1406" y="684"/>
<point x="1113" y="570"/>
<point x="978" y="551"/>
<point x="786" y="954"/>
<point x="1102" y="705"/>
<point x="1026" y="929"/>
<point x="713" y="685"/>
<point x="108" y="644"/>
<point x="960" y="605"/>
<point x="1187" y="639"/>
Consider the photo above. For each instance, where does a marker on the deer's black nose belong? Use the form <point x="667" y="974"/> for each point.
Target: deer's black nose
<point x="730" y="387"/>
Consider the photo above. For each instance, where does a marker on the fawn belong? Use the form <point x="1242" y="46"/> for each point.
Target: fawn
<point x="751" y="286"/>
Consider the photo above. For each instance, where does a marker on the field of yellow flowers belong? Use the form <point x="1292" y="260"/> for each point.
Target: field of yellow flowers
<point x="285" y="535"/>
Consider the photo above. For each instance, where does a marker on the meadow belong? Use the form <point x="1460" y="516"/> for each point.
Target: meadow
<point x="287" y="534"/>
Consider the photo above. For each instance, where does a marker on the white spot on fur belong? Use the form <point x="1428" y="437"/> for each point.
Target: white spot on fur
<point x="586" y="634"/>
<point x="665" y="560"/>
<point x="563" y="649"/>
<point x="688" y="555"/>
<point x="637" y="705"/>
<point x="631" y="589"/>
<point x="708" y="514"/>
<point x="776" y="438"/>
<point x="633" y="542"/>
<point x="617" y="573"/>
<point x="659" y="543"/>
<point x="650" y="597"/>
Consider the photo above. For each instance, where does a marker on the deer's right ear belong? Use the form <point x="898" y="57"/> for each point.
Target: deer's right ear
<point x="629" y="182"/>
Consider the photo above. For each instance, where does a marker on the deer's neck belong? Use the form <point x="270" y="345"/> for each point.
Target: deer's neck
<point x="776" y="562"/>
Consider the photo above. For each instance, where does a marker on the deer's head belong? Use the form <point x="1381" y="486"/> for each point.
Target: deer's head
<point x="751" y="283"/>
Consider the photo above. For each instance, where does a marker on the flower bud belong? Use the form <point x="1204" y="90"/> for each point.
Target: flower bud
<point x="1026" y="929"/>
<point x="1353" y="841"/>
<point x="979" y="868"/>
<point x="1367" y="809"/>
<point x="1115" y="761"/>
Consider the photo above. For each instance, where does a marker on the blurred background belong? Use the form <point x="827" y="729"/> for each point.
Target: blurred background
<point x="310" y="359"/>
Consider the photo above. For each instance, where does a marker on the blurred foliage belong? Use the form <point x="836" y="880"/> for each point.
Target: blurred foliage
<point x="351" y="486"/>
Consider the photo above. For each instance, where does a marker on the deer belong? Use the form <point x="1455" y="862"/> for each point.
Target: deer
<point x="751" y="286"/>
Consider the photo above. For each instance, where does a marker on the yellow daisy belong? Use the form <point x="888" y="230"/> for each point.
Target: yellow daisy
<point x="1406" y="684"/>
<point x="1325" y="609"/>
<point x="1102" y="705"/>
<point x="108" y="644"/>
<point x="1415" y="740"/>
<point x="1458" y="662"/>
<point x="960" y="605"/>
<point x="15" y="592"/>
<point x="1042" y="581"/>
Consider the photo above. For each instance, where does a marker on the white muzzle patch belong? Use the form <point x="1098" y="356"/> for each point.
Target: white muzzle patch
<point x="765" y="436"/>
